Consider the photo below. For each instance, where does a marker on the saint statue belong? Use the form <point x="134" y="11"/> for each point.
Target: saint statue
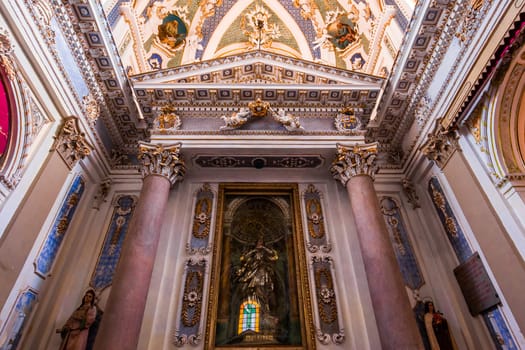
<point x="256" y="274"/>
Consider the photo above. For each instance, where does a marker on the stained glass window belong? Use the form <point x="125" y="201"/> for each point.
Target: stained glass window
<point x="249" y="316"/>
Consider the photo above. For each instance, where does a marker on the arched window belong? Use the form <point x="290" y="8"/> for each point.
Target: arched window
<point x="249" y="316"/>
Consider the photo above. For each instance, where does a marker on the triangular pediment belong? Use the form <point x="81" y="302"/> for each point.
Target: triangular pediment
<point x="256" y="67"/>
<point x="232" y="82"/>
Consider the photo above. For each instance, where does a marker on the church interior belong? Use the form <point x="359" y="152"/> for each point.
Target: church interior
<point x="262" y="174"/>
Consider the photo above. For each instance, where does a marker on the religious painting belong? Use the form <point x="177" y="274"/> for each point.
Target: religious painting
<point x="172" y="32"/>
<point x="259" y="295"/>
<point x="342" y="32"/>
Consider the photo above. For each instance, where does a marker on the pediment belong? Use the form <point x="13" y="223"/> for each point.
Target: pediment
<point x="233" y="82"/>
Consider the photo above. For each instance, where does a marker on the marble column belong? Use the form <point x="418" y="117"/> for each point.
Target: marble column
<point x="355" y="167"/>
<point x="120" y="328"/>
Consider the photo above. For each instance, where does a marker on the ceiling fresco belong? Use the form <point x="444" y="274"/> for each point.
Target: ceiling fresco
<point x="338" y="68"/>
<point x="356" y="35"/>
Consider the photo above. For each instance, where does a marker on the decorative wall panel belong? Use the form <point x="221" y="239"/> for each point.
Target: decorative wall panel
<point x="200" y="229"/>
<point x="329" y="327"/>
<point x="493" y="317"/>
<point x="116" y="233"/>
<point x="46" y="257"/>
<point x="11" y="334"/>
<point x="317" y="239"/>
<point x="189" y="331"/>
<point x="400" y="242"/>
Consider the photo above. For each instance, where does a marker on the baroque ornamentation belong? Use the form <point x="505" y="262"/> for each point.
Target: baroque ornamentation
<point x="49" y="251"/>
<point x="236" y="120"/>
<point x="317" y="239"/>
<point x="346" y="120"/>
<point x="202" y="215"/>
<point x="290" y="122"/>
<point x="260" y="108"/>
<point x="257" y="27"/>
<point x="161" y="160"/>
<point x="102" y="193"/>
<point x="326" y="302"/>
<point x="191" y="309"/>
<point x="91" y="108"/>
<point x="400" y="241"/>
<point x="167" y="120"/>
<point x="354" y="160"/>
<point x="410" y="191"/>
<point x="6" y="55"/>
<point x="70" y="143"/>
<point x="440" y="146"/>
<point x="124" y="206"/>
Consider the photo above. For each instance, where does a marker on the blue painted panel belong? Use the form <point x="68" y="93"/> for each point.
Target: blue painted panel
<point x="448" y="220"/>
<point x="12" y="333"/>
<point x="46" y="257"/>
<point x="110" y="255"/>
<point x="400" y="242"/>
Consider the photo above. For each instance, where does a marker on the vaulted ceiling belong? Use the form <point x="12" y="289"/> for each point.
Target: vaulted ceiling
<point x="323" y="61"/>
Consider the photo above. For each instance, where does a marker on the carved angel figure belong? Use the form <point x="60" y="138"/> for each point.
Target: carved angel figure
<point x="290" y="122"/>
<point x="236" y="120"/>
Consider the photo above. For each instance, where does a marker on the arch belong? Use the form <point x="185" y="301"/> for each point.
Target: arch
<point x="507" y="128"/>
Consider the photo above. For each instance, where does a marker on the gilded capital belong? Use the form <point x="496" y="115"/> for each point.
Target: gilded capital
<point x="354" y="160"/>
<point x="161" y="160"/>
<point x="70" y="143"/>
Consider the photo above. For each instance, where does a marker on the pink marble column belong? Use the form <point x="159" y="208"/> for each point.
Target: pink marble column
<point x="355" y="167"/>
<point x="122" y="320"/>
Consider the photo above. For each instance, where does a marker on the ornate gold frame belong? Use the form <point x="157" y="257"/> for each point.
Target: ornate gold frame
<point x="303" y="290"/>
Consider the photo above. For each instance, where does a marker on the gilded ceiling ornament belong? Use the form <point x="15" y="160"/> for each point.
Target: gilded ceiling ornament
<point x="70" y="143"/>
<point x="346" y="120"/>
<point x="161" y="160"/>
<point x="308" y="8"/>
<point x="290" y="122"/>
<point x="257" y="27"/>
<point x="91" y="108"/>
<point x="167" y="120"/>
<point x="354" y="160"/>
<point x="259" y="108"/>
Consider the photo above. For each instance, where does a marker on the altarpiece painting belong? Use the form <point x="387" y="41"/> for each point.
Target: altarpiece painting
<point x="259" y="292"/>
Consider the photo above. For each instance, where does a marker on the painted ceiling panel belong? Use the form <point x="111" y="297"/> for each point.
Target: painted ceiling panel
<point x="345" y="34"/>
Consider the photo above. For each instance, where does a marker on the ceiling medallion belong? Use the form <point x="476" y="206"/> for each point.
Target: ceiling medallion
<point x="259" y="108"/>
<point x="257" y="27"/>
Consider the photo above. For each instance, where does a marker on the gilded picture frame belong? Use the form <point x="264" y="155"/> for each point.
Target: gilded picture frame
<point x="259" y="291"/>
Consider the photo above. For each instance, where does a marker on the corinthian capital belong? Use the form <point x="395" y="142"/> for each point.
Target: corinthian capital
<point x="70" y="143"/>
<point x="161" y="160"/>
<point x="440" y="146"/>
<point x="354" y="160"/>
